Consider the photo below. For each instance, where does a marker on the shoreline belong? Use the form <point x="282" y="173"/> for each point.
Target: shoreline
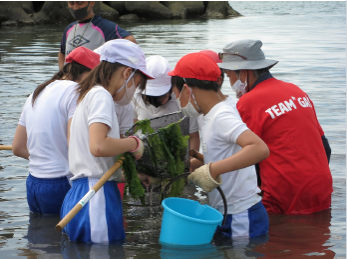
<point x="47" y="12"/>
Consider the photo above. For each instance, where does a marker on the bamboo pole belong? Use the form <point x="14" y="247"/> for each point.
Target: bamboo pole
<point x="3" y="147"/>
<point x="68" y="217"/>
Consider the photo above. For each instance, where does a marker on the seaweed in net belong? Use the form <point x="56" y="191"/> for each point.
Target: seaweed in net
<point x="174" y="145"/>
<point x="167" y="149"/>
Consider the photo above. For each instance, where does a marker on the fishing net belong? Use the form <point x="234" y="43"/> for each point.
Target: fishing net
<point x="166" y="135"/>
<point x="166" y="142"/>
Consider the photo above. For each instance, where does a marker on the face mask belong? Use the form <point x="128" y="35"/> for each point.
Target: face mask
<point x="189" y="110"/>
<point x="239" y="87"/>
<point x="79" y="14"/>
<point x="129" y="92"/>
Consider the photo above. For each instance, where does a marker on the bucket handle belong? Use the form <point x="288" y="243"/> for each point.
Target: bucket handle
<point x="198" y="156"/>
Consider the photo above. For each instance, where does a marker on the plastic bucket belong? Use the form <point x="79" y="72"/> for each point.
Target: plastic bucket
<point x="187" y="222"/>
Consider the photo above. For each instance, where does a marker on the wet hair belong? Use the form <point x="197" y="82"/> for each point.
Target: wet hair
<point x="192" y="82"/>
<point x="101" y="75"/>
<point x="156" y="101"/>
<point x="72" y="71"/>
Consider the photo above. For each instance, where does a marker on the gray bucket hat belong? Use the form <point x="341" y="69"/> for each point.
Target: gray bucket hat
<point x="245" y="54"/>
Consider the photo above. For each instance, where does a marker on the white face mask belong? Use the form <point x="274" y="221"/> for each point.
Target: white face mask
<point x="239" y="87"/>
<point x="129" y="92"/>
<point x="189" y="110"/>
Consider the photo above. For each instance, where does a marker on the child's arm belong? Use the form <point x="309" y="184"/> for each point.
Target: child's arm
<point x="194" y="140"/>
<point x="253" y="151"/>
<point x="19" y="144"/>
<point x="101" y="145"/>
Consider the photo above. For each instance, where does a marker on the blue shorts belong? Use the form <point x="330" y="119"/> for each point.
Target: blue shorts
<point x="101" y="219"/>
<point x="46" y="195"/>
<point x="252" y="222"/>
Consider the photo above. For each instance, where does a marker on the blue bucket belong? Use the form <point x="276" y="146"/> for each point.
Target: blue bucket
<point x="187" y="222"/>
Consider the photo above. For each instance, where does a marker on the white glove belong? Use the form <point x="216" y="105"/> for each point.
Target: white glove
<point x="202" y="178"/>
<point x="138" y="152"/>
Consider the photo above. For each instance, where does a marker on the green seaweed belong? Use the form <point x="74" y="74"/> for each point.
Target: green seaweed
<point x="133" y="182"/>
<point x="167" y="149"/>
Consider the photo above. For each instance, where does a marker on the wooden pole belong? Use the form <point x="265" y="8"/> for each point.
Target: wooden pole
<point x="197" y="155"/>
<point x="3" y="147"/>
<point x="68" y="217"/>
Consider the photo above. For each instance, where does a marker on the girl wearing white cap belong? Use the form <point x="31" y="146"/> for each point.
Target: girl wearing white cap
<point x="95" y="141"/>
<point x="43" y="130"/>
<point x="125" y="120"/>
<point x="158" y="100"/>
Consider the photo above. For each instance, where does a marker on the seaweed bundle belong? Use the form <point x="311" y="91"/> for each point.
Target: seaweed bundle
<point x="165" y="156"/>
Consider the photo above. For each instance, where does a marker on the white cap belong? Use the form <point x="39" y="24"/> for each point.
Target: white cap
<point x="159" y="68"/>
<point x="125" y="52"/>
<point x="98" y="50"/>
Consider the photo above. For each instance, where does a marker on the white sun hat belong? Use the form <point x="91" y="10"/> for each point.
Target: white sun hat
<point x="124" y="52"/>
<point x="159" y="67"/>
<point x="244" y="54"/>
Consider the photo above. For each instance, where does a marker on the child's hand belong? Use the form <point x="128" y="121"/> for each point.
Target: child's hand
<point x="202" y="178"/>
<point x="138" y="152"/>
<point x="149" y="180"/>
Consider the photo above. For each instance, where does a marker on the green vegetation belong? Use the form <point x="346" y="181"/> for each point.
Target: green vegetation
<point x="166" y="149"/>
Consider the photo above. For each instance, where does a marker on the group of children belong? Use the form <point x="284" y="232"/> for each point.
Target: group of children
<point x="72" y="129"/>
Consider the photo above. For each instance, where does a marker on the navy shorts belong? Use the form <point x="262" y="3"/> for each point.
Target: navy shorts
<point x="101" y="219"/>
<point x="46" y="195"/>
<point x="252" y="222"/>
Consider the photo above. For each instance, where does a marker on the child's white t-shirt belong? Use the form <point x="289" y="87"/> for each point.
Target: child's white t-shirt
<point x="46" y="127"/>
<point x="229" y="100"/>
<point x="141" y="111"/>
<point x="222" y="126"/>
<point x="125" y="117"/>
<point x="96" y="107"/>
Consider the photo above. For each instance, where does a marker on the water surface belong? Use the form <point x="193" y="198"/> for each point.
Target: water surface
<point x="309" y="40"/>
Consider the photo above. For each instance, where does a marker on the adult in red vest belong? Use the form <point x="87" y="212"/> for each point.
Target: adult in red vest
<point x="295" y="178"/>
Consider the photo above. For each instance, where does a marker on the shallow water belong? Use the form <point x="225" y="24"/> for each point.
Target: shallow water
<point x="309" y="40"/>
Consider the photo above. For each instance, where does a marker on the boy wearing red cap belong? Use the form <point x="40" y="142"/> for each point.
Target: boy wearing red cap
<point x="230" y="149"/>
<point x="43" y="131"/>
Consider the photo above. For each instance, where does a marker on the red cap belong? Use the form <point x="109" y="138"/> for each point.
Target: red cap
<point x="212" y="54"/>
<point x="196" y="65"/>
<point x="84" y="56"/>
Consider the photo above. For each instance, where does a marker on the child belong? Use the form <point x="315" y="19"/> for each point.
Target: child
<point x="230" y="149"/>
<point x="95" y="141"/>
<point x="157" y="99"/>
<point x="125" y="120"/>
<point x="43" y="130"/>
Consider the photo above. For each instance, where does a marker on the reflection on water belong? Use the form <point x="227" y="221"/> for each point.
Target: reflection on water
<point x="308" y="38"/>
<point x="299" y="236"/>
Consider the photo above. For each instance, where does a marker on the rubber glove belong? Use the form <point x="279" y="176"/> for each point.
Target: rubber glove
<point x="138" y="152"/>
<point x="202" y="178"/>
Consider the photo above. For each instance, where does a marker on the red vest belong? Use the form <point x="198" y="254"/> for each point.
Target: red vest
<point x="295" y="178"/>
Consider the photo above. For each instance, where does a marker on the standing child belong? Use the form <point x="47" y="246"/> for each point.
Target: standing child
<point x="230" y="149"/>
<point x="95" y="141"/>
<point x="158" y="100"/>
<point x="43" y="130"/>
